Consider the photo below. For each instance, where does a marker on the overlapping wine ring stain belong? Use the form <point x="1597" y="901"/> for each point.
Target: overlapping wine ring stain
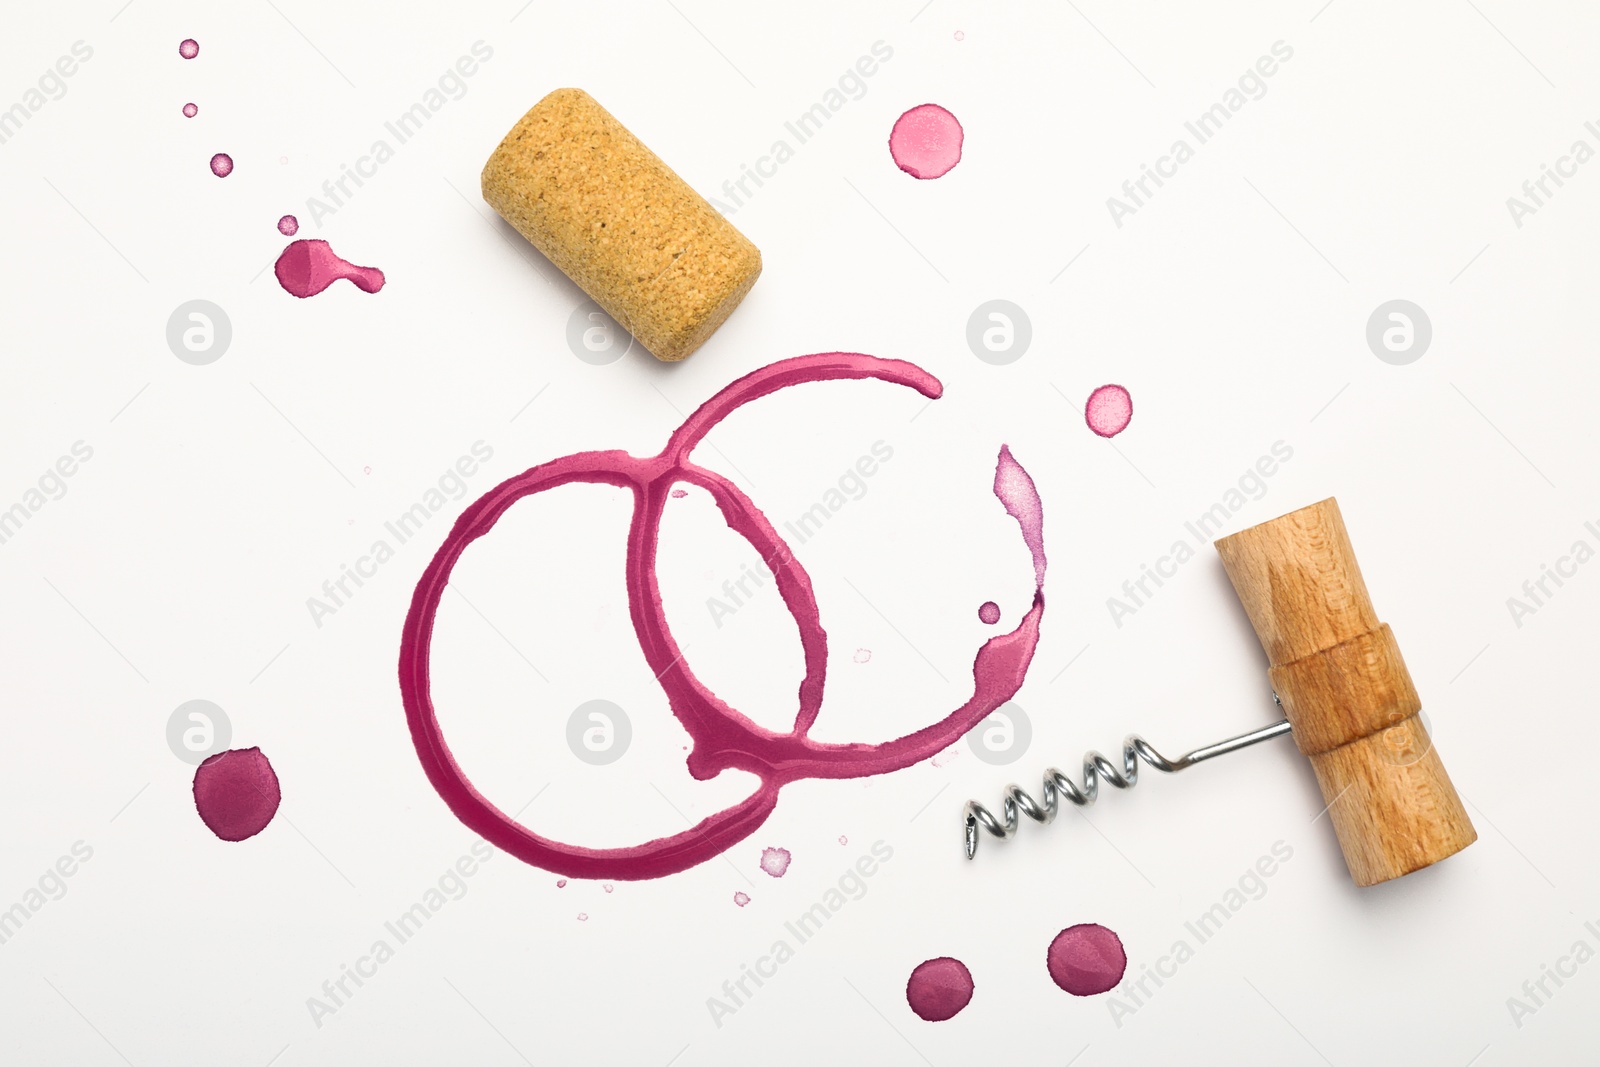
<point x="723" y="737"/>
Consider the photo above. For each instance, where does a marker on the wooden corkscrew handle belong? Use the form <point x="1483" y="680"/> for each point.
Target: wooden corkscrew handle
<point x="1345" y="689"/>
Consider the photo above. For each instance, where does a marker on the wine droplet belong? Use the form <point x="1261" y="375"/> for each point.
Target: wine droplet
<point x="926" y="141"/>
<point x="939" y="988"/>
<point x="307" y="267"/>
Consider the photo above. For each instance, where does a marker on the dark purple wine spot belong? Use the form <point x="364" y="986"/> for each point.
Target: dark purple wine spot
<point x="939" y="988"/>
<point x="236" y="793"/>
<point x="1086" y="959"/>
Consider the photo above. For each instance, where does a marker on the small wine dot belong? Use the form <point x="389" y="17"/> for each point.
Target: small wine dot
<point x="222" y="164"/>
<point x="236" y="793"/>
<point x="190" y="111"/>
<point x="989" y="612"/>
<point x="939" y="988"/>
<point x="1109" y="410"/>
<point x="1086" y="959"/>
<point x="926" y="141"/>
<point x="188" y="48"/>
<point x="775" y="861"/>
<point x="289" y="226"/>
<point x="741" y="899"/>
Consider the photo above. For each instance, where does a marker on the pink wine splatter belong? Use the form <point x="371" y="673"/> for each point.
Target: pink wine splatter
<point x="843" y="840"/>
<point x="1109" y="410"/>
<point x="289" y="226"/>
<point x="583" y="916"/>
<point x="1015" y="488"/>
<point x="741" y="899"/>
<point x="988" y="613"/>
<point x="190" y="111"/>
<point x="939" y="988"/>
<point x="926" y="141"/>
<point x="722" y="737"/>
<point x="307" y="267"/>
<point x="236" y="793"/>
<point x="1086" y="959"/>
<point x="188" y="48"/>
<point x="222" y="164"/>
<point x="863" y="655"/>
<point x="679" y="494"/>
<point x="948" y="756"/>
<point x="609" y="888"/>
<point x="561" y="883"/>
<point x="775" y="861"/>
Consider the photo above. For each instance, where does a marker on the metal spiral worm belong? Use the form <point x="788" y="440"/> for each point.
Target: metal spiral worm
<point x="1096" y="768"/>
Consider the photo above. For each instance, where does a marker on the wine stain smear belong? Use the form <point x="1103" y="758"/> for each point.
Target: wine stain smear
<point x="723" y="738"/>
<point x="236" y="793"/>
<point x="307" y="267"/>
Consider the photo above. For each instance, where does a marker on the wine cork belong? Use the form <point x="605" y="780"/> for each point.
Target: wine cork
<point x="620" y="223"/>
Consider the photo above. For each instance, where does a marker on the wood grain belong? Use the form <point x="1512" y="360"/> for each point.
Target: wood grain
<point x="1345" y="688"/>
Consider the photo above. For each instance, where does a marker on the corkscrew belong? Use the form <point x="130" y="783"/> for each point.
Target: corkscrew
<point x="1347" y="698"/>
<point x="1096" y="768"/>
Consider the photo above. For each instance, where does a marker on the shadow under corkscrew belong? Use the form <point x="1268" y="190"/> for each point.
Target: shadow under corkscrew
<point x="1096" y="768"/>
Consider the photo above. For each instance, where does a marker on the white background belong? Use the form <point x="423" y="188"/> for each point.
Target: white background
<point x="1233" y="306"/>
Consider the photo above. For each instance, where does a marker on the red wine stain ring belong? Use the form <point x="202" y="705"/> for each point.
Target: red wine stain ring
<point x="723" y="737"/>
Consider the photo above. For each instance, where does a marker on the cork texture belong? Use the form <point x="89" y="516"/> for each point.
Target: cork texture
<point x="620" y="223"/>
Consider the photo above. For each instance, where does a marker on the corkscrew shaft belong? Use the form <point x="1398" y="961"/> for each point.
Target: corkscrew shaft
<point x="1096" y="768"/>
